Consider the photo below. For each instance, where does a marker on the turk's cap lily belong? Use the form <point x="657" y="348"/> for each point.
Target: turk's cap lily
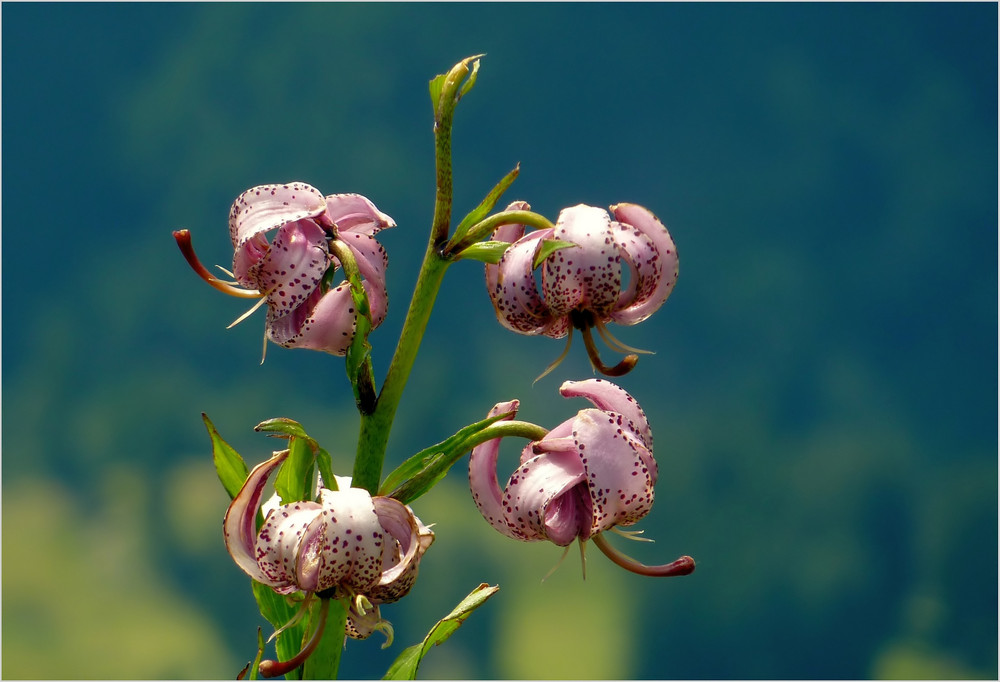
<point x="620" y="268"/>
<point x="293" y="270"/>
<point x="593" y="473"/>
<point x="348" y="544"/>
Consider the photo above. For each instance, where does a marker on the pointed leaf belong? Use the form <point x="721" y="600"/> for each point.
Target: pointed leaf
<point x="325" y="464"/>
<point x="405" y="666"/>
<point x="230" y="467"/>
<point x="486" y="205"/>
<point x="547" y="248"/>
<point x="294" y="482"/>
<point x="422" y="471"/>
<point x="282" y="427"/>
<point x="278" y="610"/>
<point x="323" y="663"/>
<point x="485" y="252"/>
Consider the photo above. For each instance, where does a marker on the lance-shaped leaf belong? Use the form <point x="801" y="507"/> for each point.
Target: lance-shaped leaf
<point x="485" y="206"/>
<point x="294" y="482"/>
<point x="422" y="471"/>
<point x="283" y="427"/>
<point x="230" y="467"/>
<point x="405" y="666"/>
<point x="279" y="611"/>
<point x="485" y="252"/>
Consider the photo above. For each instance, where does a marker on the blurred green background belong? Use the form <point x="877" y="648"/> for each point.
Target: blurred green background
<point x="822" y="397"/>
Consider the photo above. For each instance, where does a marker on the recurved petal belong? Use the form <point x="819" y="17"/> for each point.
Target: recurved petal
<point x="510" y="232"/>
<point x="587" y="277"/>
<point x="278" y="543"/>
<point x="267" y="207"/>
<point x="541" y="501"/>
<point x="611" y="397"/>
<point x="344" y="545"/>
<point x="356" y="213"/>
<point x="293" y="267"/>
<point x="239" y="524"/>
<point x="372" y="260"/>
<point x="406" y="541"/>
<point x="516" y="300"/>
<point x="322" y="322"/>
<point x="483" y="477"/>
<point x="658" y="265"/>
<point x="619" y="481"/>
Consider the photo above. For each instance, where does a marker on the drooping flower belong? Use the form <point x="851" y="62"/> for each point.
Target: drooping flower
<point x="294" y="272"/>
<point x="614" y="268"/>
<point x="593" y="473"/>
<point x="348" y="545"/>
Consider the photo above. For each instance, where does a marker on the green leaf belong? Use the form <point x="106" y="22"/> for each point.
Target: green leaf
<point x="405" y="666"/>
<point x="325" y="464"/>
<point x="230" y="467"/>
<point x="282" y="427"/>
<point x="278" y="611"/>
<point x="422" y="471"/>
<point x="485" y="252"/>
<point x="436" y="86"/>
<point x="294" y="482"/>
<point x="547" y="248"/>
<point x="323" y="663"/>
<point x="486" y="205"/>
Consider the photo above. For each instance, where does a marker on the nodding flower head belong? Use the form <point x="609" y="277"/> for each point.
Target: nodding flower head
<point x="583" y="284"/>
<point x="293" y="273"/>
<point x="347" y="545"/>
<point x="592" y="473"/>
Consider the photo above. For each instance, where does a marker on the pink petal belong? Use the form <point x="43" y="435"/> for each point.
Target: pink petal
<point x="239" y="524"/>
<point x="534" y="508"/>
<point x="344" y="544"/>
<point x="659" y="265"/>
<point x="372" y="260"/>
<point x="588" y="277"/>
<point x="510" y="232"/>
<point x="619" y="481"/>
<point x="406" y="541"/>
<point x="483" y="477"/>
<point x="323" y="322"/>
<point x="293" y="267"/>
<point x="278" y="544"/>
<point x="610" y="397"/>
<point x="516" y="301"/>
<point x="268" y="207"/>
<point x="354" y="213"/>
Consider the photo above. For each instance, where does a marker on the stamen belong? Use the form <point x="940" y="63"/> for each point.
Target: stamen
<point x="631" y="534"/>
<point x="682" y="566"/>
<point x="614" y="343"/>
<point x="258" y="304"/>
<point x="274" y="668"/>
<point x="558" y="564"/>
<point x="623" y="367"/>
<point x="303" y="608"/>
<point x="183" y="239"/>
<point x="562" y="356"/>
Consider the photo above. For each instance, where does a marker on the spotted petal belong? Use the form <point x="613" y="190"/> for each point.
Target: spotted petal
<point x="654" y="258"/>
<point x="354" y="213"/>
<point x="240" y="522"/>
<point x="293" y="267"/>
<point x="588" y="277"/>
<point x="610" y="397"/>
<point x="516" y="300"/>
<point x="619" y="480"/>
<point x="541" y="500"/>
<point x="483" y="477"/>
<point x="267" y="207"/>
<point x="344" y="543"/>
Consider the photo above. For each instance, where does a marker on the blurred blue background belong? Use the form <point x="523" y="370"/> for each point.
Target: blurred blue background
<point x="823" y="395"/>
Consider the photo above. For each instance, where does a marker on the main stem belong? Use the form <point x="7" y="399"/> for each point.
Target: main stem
<point x="375" y="427"/>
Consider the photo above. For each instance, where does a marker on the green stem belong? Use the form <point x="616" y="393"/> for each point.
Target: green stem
<point x="485" y="227"/>
<point x="376" y="425"/>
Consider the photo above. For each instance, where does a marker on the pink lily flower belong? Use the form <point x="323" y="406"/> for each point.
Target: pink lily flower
<point x="347" y="545"/>
<point x="592" y="473"/>
<point x="292" y="274"/>
<point x="583" y="285"/>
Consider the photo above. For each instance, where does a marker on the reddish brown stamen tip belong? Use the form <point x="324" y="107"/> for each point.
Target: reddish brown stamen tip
<point x="270" y="668"/>
<point x="622" y="368"/>
<point x="682" y="566"/>
<point x="183" y="239"/>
